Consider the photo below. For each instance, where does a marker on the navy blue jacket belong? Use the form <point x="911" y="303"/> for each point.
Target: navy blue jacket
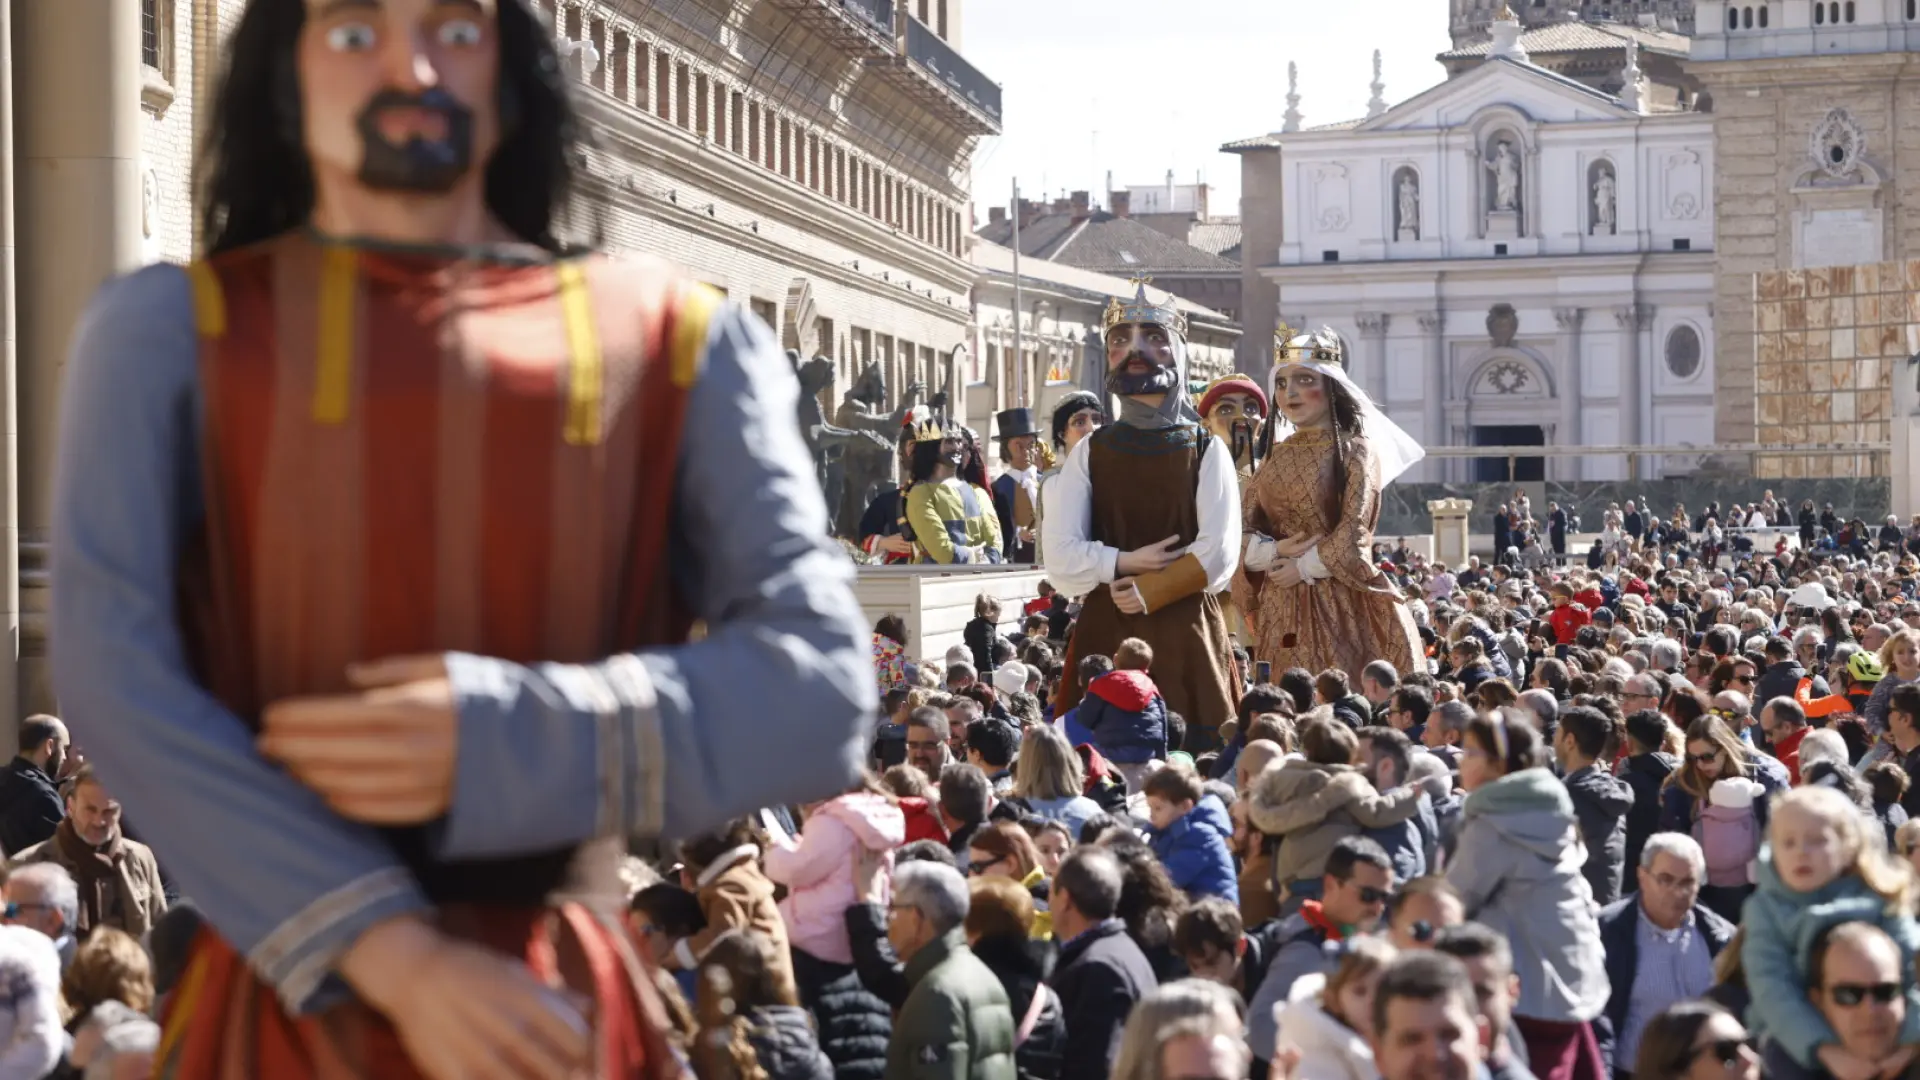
<point x="1127" y="717"/>
<point x="1619" y="923"/>
<point x="30" y="806"/>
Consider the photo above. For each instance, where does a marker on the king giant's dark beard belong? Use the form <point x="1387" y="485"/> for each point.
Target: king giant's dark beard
<point x="1124" y="383"/>
<point x="425" y="166"/>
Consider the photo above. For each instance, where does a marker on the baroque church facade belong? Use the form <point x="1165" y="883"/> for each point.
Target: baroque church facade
<point x="1513" y="257"/>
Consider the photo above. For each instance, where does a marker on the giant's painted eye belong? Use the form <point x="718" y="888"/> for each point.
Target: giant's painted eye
<point x="461" y="33"/>
<point x="351" y="37"/>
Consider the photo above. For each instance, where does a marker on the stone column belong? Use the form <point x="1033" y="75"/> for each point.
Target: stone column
<point x="10" y="697"/>
<point x="1634" y="320"/>
<point x="1569" y="319"/>
<point x="1450" y="530"/>
<point x="77" y="184"/>
<point x="1373" y="331"/>
<point x="1433" y="416"/>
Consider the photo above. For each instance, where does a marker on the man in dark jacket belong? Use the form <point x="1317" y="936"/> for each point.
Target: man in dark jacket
<point x="1646" y="771"/>
<point x="956" y="1023"/>
<point x="1664" y="915"/>
<point x="1783" y="674"/>
<point x="1101" y="973"/>
<point x="1387" y="756"/>
<point x="30" y="804"/>
<point x="1600" y="800"/>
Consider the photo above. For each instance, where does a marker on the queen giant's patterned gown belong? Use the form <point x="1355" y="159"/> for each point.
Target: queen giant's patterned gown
<point x="1355" y="615"/>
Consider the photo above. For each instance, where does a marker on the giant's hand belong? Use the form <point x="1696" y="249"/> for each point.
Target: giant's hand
<point x="1295" y="546"/>
<point x="1148" y="559"/>
<point x="1287" y="574"/>
<point x="383" y="755"/>
<point x="463" y="1012"/>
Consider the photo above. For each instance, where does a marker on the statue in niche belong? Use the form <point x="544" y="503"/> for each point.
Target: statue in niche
<point x="1409" y="207"/>
<point x="1605" y="203"/>
<point x="1505" y="167"/>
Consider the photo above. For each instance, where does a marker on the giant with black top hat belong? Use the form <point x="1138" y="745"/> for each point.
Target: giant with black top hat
<point x="1013" y="423"/>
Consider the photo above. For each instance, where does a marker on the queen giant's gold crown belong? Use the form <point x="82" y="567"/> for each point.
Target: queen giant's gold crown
<point x="1320" y="347"/>
<point x="1140" y="311"/>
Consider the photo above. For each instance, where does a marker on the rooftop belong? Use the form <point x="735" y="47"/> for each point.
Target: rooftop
<point x="1101" y="241"/>
<point x="1091" y="284"/>
<point x="1572" y="37"/>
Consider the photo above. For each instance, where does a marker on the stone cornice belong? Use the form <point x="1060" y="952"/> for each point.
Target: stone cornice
<point x="1531" y="267"/>
<point x="658" y="145"/>
<point x="1814" y="69"/>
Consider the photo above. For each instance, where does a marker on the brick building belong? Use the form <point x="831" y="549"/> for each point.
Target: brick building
<point x="1817" y="151"/>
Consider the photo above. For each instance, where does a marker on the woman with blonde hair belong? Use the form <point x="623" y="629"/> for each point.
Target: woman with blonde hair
<point x="1187" y="1008"/>
<point x="1328" y="1018"/>
<point x="110" y="965"/>
<point x="1047" y="776"/>
<point x="1900" y="659"/>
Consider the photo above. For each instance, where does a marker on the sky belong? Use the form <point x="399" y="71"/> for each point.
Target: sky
<point x="1137" y="87"/>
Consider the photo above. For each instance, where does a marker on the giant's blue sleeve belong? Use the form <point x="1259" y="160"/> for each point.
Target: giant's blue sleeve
<point x="774" y="706"/>
<point x="288" y="883"/>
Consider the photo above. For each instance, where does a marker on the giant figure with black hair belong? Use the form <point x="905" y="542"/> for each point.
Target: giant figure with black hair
<point x="1307" y="581"/>
<point x="378" y="535"/>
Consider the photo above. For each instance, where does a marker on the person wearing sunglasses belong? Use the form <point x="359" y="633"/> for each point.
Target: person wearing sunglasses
<point x="1517" y="866"/>
<point x="1696" y="1040"/>
<point x="1860" y="987"/>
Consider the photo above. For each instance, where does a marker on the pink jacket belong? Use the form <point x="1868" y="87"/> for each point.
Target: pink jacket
<point x="818" y="870"/>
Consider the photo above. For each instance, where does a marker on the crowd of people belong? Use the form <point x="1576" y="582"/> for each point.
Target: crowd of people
<point x="1651" y="819"/>
<point x="1646" y="818"/>
<point x="1519" y="539"/>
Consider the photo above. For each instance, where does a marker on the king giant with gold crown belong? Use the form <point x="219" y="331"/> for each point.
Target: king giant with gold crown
<point x="1144" y="522"/>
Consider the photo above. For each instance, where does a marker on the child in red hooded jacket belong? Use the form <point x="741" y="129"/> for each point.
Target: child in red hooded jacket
<point x="1568" y="615"/>
<point x="1126" y="715"/>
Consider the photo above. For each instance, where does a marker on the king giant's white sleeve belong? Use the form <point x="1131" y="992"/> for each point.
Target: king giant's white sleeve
<point x="1075" y="565"/>
<point x="1217" y="499"/>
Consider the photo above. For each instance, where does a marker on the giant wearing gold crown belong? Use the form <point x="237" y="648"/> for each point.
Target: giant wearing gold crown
<point x="1314" y="598"/>
<point x="1144" y="521"/>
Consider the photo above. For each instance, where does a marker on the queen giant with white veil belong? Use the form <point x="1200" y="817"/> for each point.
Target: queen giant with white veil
<point x="1306" y="581"/>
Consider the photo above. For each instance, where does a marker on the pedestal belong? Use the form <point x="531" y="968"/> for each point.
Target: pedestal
<point x="1450" y="531"/>
<point x="1407" y="235"/>
<point x="1503" y="225"/>
<point x="1906" y="448"/>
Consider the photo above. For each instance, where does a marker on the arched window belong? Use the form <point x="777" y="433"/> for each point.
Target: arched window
<point x="1912" y="5"/>
<point x="1763" y="16"/>
<point x="1746" y="18"/>
<point x="1733" y="16"/>
<point x="1819" y="14"/>
<point x="1849" y="10"/>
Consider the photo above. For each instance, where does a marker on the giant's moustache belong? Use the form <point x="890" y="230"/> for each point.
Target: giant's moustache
<point x="1243" y="436"/>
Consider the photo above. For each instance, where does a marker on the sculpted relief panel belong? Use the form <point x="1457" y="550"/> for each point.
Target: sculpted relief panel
<point x="1332" y="198"/>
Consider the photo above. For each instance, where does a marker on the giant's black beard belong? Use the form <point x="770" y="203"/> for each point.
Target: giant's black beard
<point x="1124" y="383"/>
<point x="418" y="165"/>
<point x="1243" y="435"/>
